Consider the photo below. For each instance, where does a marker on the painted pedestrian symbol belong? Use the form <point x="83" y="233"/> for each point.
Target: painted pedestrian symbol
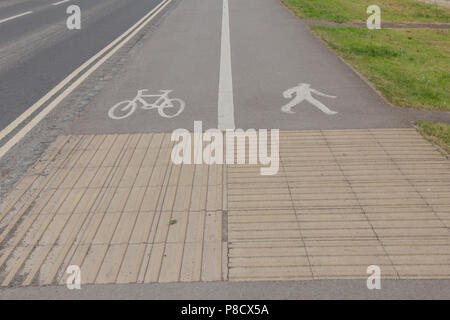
<point x="303" y="93"/>
<point x="167" y="107"/>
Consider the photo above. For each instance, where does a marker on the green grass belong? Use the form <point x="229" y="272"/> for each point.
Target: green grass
<point x="410" y="67"/>
<point x="438" y="133"/>
<point x="355" y="10"/>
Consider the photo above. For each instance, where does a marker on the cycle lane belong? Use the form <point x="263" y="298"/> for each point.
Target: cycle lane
<point x="182" y="55"/>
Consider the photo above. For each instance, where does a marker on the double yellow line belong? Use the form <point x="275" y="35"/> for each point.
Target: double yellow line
<point x="81" y="73"/>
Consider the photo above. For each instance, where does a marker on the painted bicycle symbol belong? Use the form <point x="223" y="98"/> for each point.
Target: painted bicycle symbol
<point x="167" y="107"/>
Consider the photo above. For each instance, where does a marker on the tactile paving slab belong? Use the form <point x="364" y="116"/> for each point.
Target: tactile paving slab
<point x="116" y="206"/>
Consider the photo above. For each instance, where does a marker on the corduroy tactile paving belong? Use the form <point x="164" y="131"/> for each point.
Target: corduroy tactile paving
<point x="342" y="201"/>
<point x="116" y="206"/>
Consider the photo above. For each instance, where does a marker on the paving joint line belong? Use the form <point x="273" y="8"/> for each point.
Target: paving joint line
<point x="187" y="221"/>
<point x="298" y="222"/>
<point x="415" y="188"/>
<point x="204" y="226"/>
<point x="361" y="207"/>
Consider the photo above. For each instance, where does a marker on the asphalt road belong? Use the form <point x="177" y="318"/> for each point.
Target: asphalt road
<point x="37" y="51"/>
<point x="268" y="290"/>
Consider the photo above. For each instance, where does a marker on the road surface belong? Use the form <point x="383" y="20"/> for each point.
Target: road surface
<point x="37" y="51"/>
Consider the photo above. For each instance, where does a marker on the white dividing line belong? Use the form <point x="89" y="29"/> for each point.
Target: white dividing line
<point x="225" y="103"/>
<point x="127" y="35"/>
<point x="17" y="16"/>
<point x="60" y="2"/>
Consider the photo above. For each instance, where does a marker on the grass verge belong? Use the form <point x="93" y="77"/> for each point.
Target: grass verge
<point x="438" y="133"/>
<point x="355" y="10"/>
<point x="410" y="67"/>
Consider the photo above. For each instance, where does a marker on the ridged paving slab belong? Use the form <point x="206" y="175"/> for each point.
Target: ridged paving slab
<point x="116" y="206"/>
